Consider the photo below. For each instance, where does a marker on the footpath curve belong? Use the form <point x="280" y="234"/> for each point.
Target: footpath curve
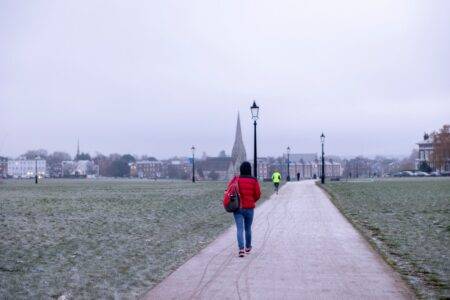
<point x="303" y="248"/>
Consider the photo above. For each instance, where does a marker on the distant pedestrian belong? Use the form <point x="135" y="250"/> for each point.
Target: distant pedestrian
<point x="249" y="192"/>
<point x="298" y="176"/>
<point x="276" y="178"/>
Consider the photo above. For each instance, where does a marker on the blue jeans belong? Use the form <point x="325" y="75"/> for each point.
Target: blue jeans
<point x="244" y="218"/>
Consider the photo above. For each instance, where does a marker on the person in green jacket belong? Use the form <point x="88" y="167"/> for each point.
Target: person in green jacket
<point x="276" y="178"/>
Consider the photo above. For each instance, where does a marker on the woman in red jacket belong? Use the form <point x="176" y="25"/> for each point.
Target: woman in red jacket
<point x="249" y="192"/>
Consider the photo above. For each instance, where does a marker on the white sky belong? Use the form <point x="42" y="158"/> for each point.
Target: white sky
<point x="155" y="77"/>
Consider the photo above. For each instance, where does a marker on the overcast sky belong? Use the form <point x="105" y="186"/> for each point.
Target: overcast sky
<point x="155" y="77"/>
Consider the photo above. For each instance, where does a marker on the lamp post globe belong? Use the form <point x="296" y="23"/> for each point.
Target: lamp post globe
<point x="254" y="109"/>
<point x="193" y="163"/>
<point x="322" y="140"/>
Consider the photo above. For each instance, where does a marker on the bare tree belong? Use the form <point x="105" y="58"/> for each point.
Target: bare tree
<point x="32" y="154"/>
<point x="441" y="147"/>
<point x="409" y="164"/>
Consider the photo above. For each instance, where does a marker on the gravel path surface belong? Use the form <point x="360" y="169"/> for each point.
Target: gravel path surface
<point x="303" y="249"/>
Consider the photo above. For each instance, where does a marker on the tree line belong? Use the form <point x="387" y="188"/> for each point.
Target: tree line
<point x="112" y="165"/>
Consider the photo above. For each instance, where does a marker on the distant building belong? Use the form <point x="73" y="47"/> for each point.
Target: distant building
<point x="54" y="170"/>
<point x="216" y="168"/>
<point x="23" y="168"/>
<point x="425" y="151"/>
<point x="148" y="169"/>
<point x="3" y="167"/>
<point x="301" y="157"/>
<point x="309" y="165"/>
<point x="79" y="168"/>
<point x="224" y="167"/>
<point x="133" y="169"/>
<point x="177" y="168"/>
<point x="303" y="163"/>
<point x="264" y="168"/>
<point x="332" y="169"/>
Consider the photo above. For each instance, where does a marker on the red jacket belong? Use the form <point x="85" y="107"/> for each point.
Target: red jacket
<point x="248" y="190"/>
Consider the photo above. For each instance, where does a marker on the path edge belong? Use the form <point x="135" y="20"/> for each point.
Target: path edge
<point x="365" y="233"/>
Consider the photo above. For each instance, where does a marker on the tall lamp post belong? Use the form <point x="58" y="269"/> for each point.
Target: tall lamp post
<point x="255" y="112"/>
<point x="35" y="170"/>
<point x="288" y="177"/>
<point x="322" y="139"/>
<point x="193" y="163"/>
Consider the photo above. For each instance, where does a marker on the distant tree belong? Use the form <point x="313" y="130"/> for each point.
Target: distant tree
<point x="358" y="167"/>
<point x="213" y="175"/>
<point x="149" y="158"/>
<point x="222" y="154"/>
<point x="128" y="158"/>
<point x="177" y="172"/>
<point x="441" y="147"/>
<point x="57" y="157"/>
<point x="83" y="156"/>
<point x="409" y="163"/>
<point x="424" y="167"/>
<point x="32" y="154"/>
<point x="120" y="168"/>
<point x="114" y="156"/>
<point x="173" y="172"/>
<point x="199" y="171"/>
<point x="104" y="164"/>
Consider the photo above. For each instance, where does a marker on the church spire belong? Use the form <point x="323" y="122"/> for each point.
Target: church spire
<point x="238" y="154"/>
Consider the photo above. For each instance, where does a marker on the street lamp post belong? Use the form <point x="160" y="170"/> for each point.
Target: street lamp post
<point x="255" y="114"/>
<point x="288" y="177"/>
<point x="35" y="170"/>
<point x="322" y="139"/>
<point x="193" y="163"/>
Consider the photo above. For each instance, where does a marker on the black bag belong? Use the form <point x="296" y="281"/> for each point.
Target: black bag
<point x="232" y="199"/>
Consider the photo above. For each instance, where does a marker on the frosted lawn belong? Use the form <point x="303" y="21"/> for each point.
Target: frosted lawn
<point x="408" y="221"/>
<point x="102" y="238"/>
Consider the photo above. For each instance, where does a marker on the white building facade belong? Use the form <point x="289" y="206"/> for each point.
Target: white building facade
<point x="149" y="169"/>
<point x="425" y="151"/>
<point x="79" y="168"/>
<point x="308" y="165"/>
<point x="23" y="168"/>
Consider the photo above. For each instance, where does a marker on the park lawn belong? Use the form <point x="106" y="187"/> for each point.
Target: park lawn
<point x="102" y="238"/>
<point x="408" y="222"/>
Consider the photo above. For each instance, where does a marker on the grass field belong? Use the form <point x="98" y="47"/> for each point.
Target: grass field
<point x="408" y="221"/>
<point x="102" y="238"/>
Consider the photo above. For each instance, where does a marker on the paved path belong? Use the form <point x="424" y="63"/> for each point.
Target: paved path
<point x="303" y="248"/>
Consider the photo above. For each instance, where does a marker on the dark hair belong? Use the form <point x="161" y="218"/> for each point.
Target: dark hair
<point x="246" y="169"/>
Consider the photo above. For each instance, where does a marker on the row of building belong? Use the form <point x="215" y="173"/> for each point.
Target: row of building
<point x="225" y="167"/>
<point x="221" y="168"/>
<point x="27" y="168"/>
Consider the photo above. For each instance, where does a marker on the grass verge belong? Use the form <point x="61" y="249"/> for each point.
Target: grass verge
<point x="407" y="222"/>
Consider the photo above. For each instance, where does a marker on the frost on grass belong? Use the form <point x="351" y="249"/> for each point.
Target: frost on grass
<point x="409" y="221"/>
<point x="102" y="239"/>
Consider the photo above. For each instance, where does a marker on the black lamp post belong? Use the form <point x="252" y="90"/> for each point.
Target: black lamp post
<point x="35" y="170"/>
<point x="255" y="112"/>
<point x="193" y="163"/>
<point x="322" y="139"/>
<point x="288" y="177"/>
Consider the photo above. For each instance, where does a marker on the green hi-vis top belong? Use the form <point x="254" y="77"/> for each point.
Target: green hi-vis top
<point x="276" y="177"/>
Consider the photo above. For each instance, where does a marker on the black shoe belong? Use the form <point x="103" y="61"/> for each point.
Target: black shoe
<point x="241" y="253"/>
<point x="247" y="250"/>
